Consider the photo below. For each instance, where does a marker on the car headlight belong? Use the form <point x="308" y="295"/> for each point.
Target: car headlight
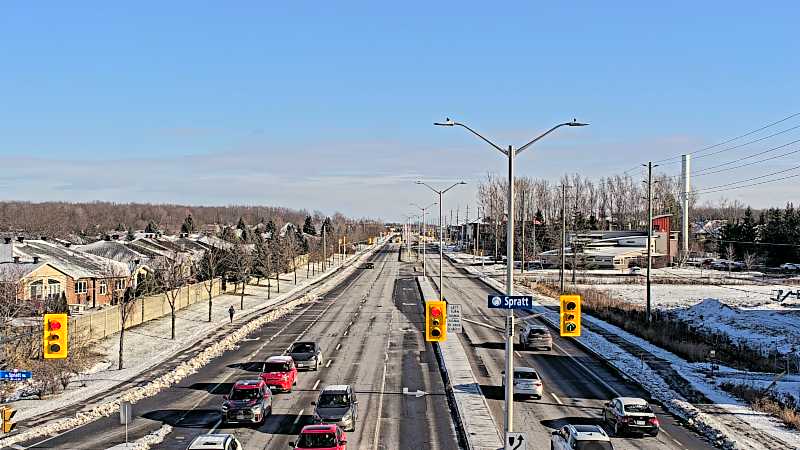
<point x="255" y="409"/>
<point x="224" y="407"/>
<point x="316" y="417"/>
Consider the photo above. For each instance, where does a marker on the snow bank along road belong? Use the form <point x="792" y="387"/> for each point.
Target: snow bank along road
<point x="576" y="384"/>
<point x="369" y="329"/>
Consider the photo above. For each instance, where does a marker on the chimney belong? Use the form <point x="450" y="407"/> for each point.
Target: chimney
<point x="20" y="239"/>
<point x="68" y="244"/>
<point x="36" y="260"/>
<point x="16" y="260"/>
<point x="44" y="238"/>
<point x="7" y="240"/>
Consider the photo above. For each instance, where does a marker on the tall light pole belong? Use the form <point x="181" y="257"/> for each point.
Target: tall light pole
<point x="510" y="153"/>
<point x="422" y="234"/>
<point x="441" y="231"/>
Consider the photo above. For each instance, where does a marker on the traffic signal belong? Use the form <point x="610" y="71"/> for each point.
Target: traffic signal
<point x="8" y="414"/>
<point x="570" y="315"/>
<point x="435" y="321"/>
<point x="55" y="336"/>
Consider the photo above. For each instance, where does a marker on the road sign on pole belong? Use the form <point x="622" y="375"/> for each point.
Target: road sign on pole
<point x="15" y="375"/>
<point x="516" y="441"/>
<point x="454" y="318"/>
<point x="510" y="301"/>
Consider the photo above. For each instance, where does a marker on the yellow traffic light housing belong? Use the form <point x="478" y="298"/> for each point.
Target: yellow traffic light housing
<point x="570" y="315"/>
<point x="7" y="415"/>
<point x="56" y="336"/>
<point x="435" y="321"/>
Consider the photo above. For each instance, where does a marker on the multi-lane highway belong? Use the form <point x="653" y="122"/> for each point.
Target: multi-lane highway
<point x="576" y="384"/>
<point x="369" y="328"/>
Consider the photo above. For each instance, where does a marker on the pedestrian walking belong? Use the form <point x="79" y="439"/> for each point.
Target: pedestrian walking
<point x="230" y="312"/>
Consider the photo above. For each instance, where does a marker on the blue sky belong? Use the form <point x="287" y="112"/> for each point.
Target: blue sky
<point x="330" y="106"/>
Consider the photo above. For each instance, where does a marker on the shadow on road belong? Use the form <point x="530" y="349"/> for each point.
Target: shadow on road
<point x="213" y="388"/>
<point x="558" y="423"/>
<point x="195" y="418"/>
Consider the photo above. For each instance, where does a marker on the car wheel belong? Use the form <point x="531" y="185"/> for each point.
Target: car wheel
<point x="653" y="434"/>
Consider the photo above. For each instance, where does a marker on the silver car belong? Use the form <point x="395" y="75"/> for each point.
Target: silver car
<point x="535" y="336"/>
<point x="337" y="404"/>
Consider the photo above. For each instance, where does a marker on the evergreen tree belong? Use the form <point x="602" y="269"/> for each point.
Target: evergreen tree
<point x="270" y="228"/>
<point x="228" y="234"/>
<point x="592" y="222"/>
<point x="120" y="227"/>
<point x="241" y="225"/>
<point x="308" y="227"/>
<point x="188" y="225"/>
<point x="130" y="236"/>
<point x="151" y="227"/>
<point x="327" y="225"/>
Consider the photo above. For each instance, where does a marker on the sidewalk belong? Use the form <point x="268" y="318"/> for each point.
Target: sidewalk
<point x="149" y="344"/>
<point x="473" y="412"/>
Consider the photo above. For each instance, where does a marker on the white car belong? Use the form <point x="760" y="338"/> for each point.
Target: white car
<point x="217" y="441"/>
<point x="790" y="266"/>
<point x="580" y="437"/>
<point x="526" y="382"/>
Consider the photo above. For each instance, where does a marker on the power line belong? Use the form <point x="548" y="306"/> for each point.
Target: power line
<point x="749" y="133"/>
<point x="746" y="143"/>
<point x="705" y="171"/>
<point x="758" y="243"/>
<point x="738" y="187"/>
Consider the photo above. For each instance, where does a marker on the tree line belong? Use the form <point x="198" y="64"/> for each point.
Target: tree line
<point x="773" y="237"/>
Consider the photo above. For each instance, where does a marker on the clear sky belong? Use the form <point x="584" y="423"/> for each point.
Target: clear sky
<point x="329" y="105"/>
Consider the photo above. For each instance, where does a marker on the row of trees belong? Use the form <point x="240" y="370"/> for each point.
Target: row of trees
<point x="773" y="237"/>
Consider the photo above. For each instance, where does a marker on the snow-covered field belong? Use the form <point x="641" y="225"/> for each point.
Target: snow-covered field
<point x="683" y="295"/>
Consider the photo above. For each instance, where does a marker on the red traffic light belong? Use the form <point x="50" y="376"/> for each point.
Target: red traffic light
<point x="54" y="325"/>
<point x="436" y="312"/>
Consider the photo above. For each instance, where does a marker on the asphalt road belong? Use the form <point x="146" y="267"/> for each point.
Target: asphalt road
<point x="576" y="384"/>
<point x="369" y="329"/>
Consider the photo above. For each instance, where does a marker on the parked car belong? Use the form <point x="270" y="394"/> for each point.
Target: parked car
<point x="535" y="336"/>
<point x="337" y="404"/>
<point x="250" y="401"/>
<point x="215" y="441"/>
<point x="790" y="267"/>
<point x="367" y="265"/>
<point x="526" y="382"/>
<point x="580" y="437"/>
<point x="327" y="437"/>
<point x="635" y="270"/>
<point x="280" y="372"/>
<point x="306" y="355"/>
<point x="630" y="414"/>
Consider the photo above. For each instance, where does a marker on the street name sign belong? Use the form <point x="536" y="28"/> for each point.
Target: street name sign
<point x="15" y="375"/>
<point x="510" y="301"/>
<point x="454" y="318"/>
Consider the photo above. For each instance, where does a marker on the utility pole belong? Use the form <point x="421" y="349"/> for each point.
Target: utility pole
<point x="686" y="185"/>
<point x="574" y="244"/>
<point x="562" y="250"/>
<point x="650" y="237"/>
<point x="324" y="256"/>
<point x="522" y="241"/>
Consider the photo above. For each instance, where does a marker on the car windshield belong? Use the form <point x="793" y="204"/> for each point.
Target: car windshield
<point x="303" y="348"/>
<point x="526" y="375"/>
<point x="276" y="367"/>
<point x="317" y="440"/>
<point x="332" y="400"/>
<point x="537" y="332"/>
<point x="244" y="394"/>
<point x="638" y="408"/>
<point x="593" y="445"/>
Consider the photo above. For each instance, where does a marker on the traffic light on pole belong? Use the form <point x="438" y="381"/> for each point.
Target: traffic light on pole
<point x="56" y="336"/>
<point x="570" y="315"/>
<point x="8" y="414"/>
<point x="435" y="321"/>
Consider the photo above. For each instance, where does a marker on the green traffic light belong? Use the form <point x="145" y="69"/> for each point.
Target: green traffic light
<point x="570" y="327"/>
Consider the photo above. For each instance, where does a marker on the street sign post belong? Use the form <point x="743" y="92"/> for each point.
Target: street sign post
<point x="15" y="375"/>
<point x="516" y="441"/>
<point x="454" y="318"/>
<point x="125" y="416"/>
<point x="510" y="301"/>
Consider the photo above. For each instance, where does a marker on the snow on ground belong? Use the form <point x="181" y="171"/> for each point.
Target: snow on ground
<point x="682" y="295"/>
<point x="729" y="427"/>
<point x="147" y="441"/>
<point x="110" y="405"/>
<point x="149" y="344"/>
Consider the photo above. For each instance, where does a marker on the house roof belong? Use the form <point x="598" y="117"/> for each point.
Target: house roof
<point x="75" y="263"/>
<point x="115" y="250"/>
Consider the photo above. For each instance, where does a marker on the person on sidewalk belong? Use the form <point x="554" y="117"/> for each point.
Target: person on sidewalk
<point x="230" y="312"/>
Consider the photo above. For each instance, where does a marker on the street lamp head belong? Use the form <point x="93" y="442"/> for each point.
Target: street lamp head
<point x="462" y="182"/>
<point x="575" y="123"/>
<point x="418" y="182"/>
<point x="448" y="122"/>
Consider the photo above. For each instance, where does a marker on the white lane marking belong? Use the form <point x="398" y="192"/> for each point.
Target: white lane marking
<point x="586" y="369"/>
<point x="345" y="332"/>
<point x="315" y="385"/>
<point x="328" y="364"/>
<point x="338" y="346"/>
<point x="675" y="441"/>
<point x="299" y="416"/>
<point x="517" y="353"/>
<point x="558" y="400"/>
<point x="383" y="386"/>
<point x="214" y="428"/>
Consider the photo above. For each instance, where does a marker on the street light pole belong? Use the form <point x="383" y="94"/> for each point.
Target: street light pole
<point x="422" y="236"/>
<point x="510" y="153"/>
<point x="441" y="232"/>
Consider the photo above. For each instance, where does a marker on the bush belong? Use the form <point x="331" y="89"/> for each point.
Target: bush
<point x="782" y="406"/>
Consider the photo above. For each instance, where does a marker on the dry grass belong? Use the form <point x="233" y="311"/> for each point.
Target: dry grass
<point x="669" y="332"/>
<point x="784" y="407"/>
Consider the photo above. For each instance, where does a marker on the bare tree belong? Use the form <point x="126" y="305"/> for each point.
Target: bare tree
<point x="120" y="283"/>
<point x="240" y="263"/>
<point x="209" y="268"/>
<point x="172" y="275"/>
<point x="749" y="259"/>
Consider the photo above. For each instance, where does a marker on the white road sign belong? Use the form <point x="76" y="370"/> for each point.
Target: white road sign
<point x="516" y="441"/>
<point x="454" y="318"/>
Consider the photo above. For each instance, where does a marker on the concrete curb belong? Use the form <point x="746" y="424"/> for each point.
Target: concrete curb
<point x="473" y="415"/>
